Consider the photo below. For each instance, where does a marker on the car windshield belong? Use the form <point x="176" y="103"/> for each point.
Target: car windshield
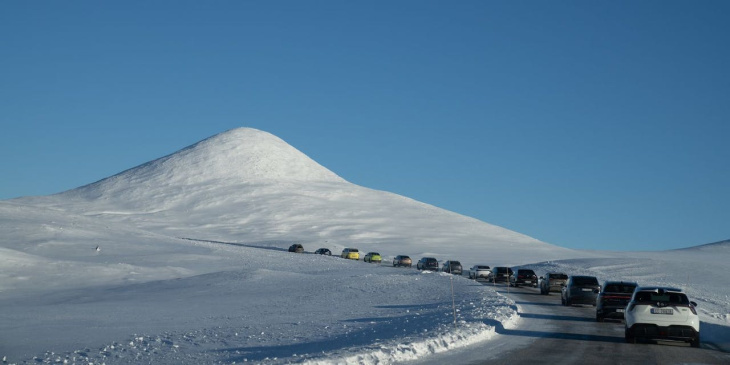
<point x="525" y="272"/>
<point x="374" y="254"/>
<point x="482" y="267"/>
<point x="662" y="298"/>
<point x="353" y="250"/>
<point x="559" y="276"/>
<point x="455" y="263"/>
<point x="431" y="260"/>
<point x="620" y="288"/>
<point x="585" y="280"/>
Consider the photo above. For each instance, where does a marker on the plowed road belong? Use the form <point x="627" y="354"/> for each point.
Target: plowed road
<point x="550" y="333"/>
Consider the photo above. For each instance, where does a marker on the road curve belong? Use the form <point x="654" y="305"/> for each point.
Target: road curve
<point x="550" y="333"/>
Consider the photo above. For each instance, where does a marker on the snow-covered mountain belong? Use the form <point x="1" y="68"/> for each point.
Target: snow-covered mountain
<point x="248" y="186"/>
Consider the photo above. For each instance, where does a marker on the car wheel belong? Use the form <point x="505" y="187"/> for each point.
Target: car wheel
<point x="599" y="318"/>
<point x="628" y="336"/>
<point x="695" y="342"/>
<point x="568" y="302"/>
<point x="562" y="300"/>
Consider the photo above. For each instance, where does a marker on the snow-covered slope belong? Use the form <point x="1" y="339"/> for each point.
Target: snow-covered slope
<point x="248" y="186"/>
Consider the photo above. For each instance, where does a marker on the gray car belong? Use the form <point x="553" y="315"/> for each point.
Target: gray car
<point x="580" y="290"/>
<point x="552" y="282"/>
<point x="453" y="267"/>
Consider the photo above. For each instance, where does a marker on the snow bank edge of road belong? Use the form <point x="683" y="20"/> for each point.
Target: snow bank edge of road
<point x="409" y="349"/>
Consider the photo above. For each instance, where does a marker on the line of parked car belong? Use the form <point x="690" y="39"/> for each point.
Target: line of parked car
<point x="425" y="263"/>
<point x="648" y="313"/>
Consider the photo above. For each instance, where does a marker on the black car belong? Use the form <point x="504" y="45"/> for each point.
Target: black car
<point x="613" y="298"/>
<point x="453" y="267"/>
<point x="296" y="248"/>
<point x="524" y="277"/>
<point x="323" y="251"/>
<point x="427" y="263"/>
<point x="501" y="274"/>
<point x="580" y="290"/>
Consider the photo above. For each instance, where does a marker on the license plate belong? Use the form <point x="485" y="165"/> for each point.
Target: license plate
<point x="587" y="289"/>
<point x="662" y="311"/>
<point x="619" y="310"/>
<point x="528" y="282"/>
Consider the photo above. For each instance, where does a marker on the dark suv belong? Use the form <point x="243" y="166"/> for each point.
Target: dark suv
<point x="524" y="277"/>
<point x="501" y="274"/>
<point x="427" y="263"/>
<point x="613" y="298"/>
<point x="580" y="290"/>
<point x="453" y="267"/>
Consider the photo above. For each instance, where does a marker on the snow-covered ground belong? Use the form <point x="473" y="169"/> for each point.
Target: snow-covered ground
<point x="183" y="260"/>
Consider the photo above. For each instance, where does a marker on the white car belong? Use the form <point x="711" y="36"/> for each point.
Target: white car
<point x="479" y="272"/>
<point x="661" y="313"/>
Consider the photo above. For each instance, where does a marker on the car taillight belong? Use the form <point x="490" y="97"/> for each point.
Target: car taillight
<point x="692" y="308"/>
<point x="631" y="307"/>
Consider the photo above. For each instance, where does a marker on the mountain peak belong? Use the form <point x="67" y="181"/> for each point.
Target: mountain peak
<point x="241" y="155"/>
<point x="247" y="154"/>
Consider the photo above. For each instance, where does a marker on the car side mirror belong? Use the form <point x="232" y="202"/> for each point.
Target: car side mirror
<point x="694" y="304"/>
<point x="596" y="291"/>
<point x="542" y="278"/>
<point x="562" y="284"/>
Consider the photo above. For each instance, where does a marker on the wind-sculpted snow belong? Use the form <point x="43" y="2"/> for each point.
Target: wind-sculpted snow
<point x="276" y="308"/>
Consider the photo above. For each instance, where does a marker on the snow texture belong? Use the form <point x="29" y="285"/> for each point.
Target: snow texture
<point x="184" y="260"/>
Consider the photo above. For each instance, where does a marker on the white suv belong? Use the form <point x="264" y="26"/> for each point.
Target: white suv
<point x="660" y="313"/>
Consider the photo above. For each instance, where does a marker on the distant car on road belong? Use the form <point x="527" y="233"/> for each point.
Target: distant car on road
<point x="323" y="251"/>
<point x="350" y="253"/>
<point x="580" y="289"/>
<point x="613" y="298"/>
<point x="500" y="274"/>
<point x="373" y="257"/>
<point x="524" y="277"/>
<point x="479" y="272"/>
<point x="452" y="267"/>
<point x="552" y="282"/>
<point x="402" y="260"/>
<point x="427" y="263"/>
<point x="661" y="313"/>
<point x="296" y="248"/>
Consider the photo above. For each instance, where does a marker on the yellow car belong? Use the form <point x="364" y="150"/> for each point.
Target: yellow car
<point x="373" y="257"/>
<point x="350" y="253"/>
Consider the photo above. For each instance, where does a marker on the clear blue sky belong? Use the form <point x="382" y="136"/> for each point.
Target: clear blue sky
<point x="586" y="124"/>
